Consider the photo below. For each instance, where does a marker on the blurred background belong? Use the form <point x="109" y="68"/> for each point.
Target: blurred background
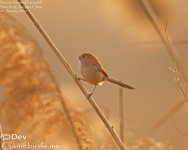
<point x="120" y="35"/>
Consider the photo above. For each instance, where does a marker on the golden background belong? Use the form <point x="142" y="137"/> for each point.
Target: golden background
<point x="115" y="32"/>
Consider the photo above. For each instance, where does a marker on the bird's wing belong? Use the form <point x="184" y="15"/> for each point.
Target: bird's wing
<point x="100" y="67"/>
<point x="104" y="72"/>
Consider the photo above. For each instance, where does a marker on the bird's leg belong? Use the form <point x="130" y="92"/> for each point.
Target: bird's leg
<point x="78" y="78"/>
<point x="89" y="95"/>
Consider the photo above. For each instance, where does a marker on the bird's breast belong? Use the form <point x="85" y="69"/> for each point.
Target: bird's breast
<point x="92" y="74"/>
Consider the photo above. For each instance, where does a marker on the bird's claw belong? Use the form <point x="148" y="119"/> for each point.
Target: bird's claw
<point x="78" y="78"/>
<point x="89" y="95"/>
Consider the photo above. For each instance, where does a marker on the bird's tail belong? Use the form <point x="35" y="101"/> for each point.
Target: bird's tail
<point x="119" y="83"/>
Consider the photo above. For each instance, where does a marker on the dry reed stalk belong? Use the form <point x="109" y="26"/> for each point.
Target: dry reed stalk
<point x="73" y="75"/>
<point x="166" y="117"/>
<point x="171" y="49"/>
<point x="27" y="78"/>
<point x="175" y="108"/>
<point x="181" y="132"/>
<point x="66" y="110"/>
<point x="121" y="114"/>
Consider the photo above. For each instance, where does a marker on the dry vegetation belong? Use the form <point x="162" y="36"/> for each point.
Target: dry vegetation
<point x="32" y="101"/>
<point x="34" y="106"/>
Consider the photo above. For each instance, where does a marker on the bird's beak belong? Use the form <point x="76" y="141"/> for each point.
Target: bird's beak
<point x="78" y="58"/>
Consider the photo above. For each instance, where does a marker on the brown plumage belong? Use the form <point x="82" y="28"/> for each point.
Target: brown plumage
<point x="93" y="72"/>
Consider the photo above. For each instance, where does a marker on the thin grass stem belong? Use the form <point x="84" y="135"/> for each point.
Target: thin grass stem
<point x="121" y="114"/>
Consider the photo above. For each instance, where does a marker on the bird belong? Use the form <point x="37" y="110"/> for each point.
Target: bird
<point x="94" y="73"/>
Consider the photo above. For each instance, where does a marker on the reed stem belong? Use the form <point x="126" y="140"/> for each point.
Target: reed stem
<point x="74" y="76"/>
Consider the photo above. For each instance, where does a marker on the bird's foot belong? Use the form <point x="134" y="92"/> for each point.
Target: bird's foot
<point x="78" y="78"/>
<point x="89" y="95"/>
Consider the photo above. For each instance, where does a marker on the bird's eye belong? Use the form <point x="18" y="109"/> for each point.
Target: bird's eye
<point x="83" y="56"/>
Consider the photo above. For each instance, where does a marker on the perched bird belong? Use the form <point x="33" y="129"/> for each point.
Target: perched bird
<point x="93" y="72"/>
